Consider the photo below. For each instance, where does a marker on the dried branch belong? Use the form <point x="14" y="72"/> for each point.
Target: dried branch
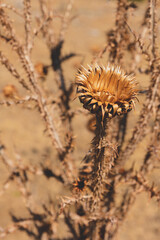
<point x="10" y="7"/>
<point x="27" y="18"/>
<point x="12" y="70"/>
<point x="65" y="21"/>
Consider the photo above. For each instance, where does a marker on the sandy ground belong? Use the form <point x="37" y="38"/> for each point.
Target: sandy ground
<point x="21" y="130"/>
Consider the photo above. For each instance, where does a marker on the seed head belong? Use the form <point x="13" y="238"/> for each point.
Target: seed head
<point x="10" y="91"/>
<point x="41" y="70"/>
<point x="106" y="90"/>
<point x="79" y="185"/>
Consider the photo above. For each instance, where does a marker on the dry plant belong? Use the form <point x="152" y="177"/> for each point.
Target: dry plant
<point x="90" y="211"/>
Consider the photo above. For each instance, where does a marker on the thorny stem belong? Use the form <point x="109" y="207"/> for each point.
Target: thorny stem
<point x="27" y="17"/>
<point x="98" y="163"/>
<point x="99" y="148"/>
<point x="98" y="171"/>
<point x="103" y="155"/>
<point x="153" y="4"/>
<point x="65" y="20"/>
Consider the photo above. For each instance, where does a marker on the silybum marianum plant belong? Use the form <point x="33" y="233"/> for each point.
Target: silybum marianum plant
<point x="105" y="92"/>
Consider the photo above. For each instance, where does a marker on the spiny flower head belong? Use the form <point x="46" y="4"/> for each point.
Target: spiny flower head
<point x="79" y="185"/>
<point x="10" y="91"/>
<point x="106" y="90"/>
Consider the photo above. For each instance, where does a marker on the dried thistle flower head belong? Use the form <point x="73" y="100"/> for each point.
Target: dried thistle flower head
<point x="41" y="69"/>
<point x="106" y="90"/>
<point x="79" y="185"/>
<point x="10" y="91"/>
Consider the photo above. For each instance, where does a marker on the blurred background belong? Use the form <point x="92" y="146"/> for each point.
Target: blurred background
<point x="22" y="129"/>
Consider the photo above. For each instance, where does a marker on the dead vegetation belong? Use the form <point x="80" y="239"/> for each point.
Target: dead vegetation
<point x="90" y="211"/>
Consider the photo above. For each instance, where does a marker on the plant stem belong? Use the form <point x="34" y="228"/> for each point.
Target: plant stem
<point x="98" y="173"/>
